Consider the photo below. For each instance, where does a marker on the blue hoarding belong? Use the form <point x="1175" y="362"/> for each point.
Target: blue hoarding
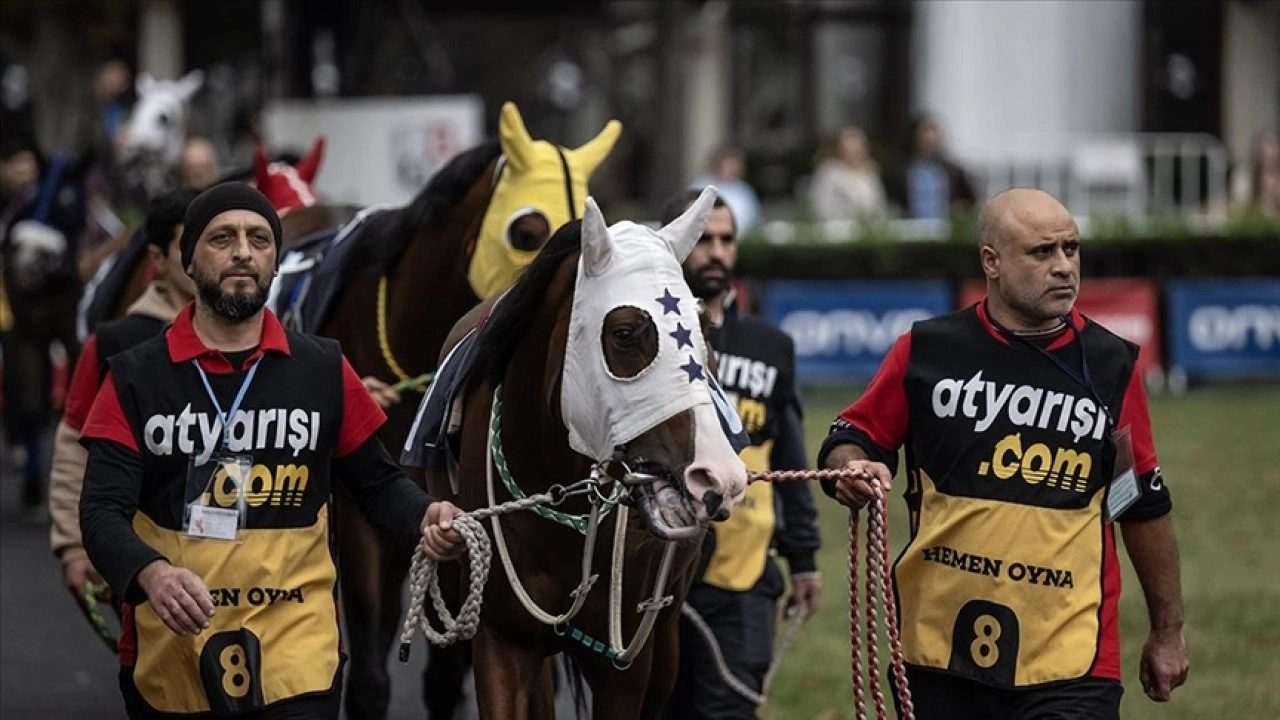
<point x="843" y="330"/>
<point x="1224" y="328"/>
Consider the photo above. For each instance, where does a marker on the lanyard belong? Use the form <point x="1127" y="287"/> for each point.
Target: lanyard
<point x="1082" y="378"/>
<point x="235" y="406"/>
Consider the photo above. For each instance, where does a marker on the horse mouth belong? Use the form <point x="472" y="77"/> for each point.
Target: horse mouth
<point x="666" y="508"/>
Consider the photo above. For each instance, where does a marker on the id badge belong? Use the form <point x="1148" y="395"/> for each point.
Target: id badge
<point x="215" y="502"/>
<point x="1124" y="489"/>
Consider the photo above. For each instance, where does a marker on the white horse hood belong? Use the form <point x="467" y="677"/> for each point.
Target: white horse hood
<point x="631" y="265"/>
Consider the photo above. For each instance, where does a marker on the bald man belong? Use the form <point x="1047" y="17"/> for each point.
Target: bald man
<point x="1027" y="439"/>
<point x="198" y="165"/>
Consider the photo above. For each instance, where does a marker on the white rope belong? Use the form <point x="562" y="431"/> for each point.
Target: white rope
<point x="650" y="607"/>
<point x="424" y="579"/>
<point x="579" y="594"/>
<point x="795" y="621"/>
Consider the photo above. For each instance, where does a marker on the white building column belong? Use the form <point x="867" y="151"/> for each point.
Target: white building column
<point x="1250" y="74"/>
<point x="707" y="84"/>
<point x="1011" y="79"/>
<point x="160" y="50"/>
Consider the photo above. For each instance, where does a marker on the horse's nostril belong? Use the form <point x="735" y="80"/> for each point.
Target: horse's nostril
<point x="714" y="503"/>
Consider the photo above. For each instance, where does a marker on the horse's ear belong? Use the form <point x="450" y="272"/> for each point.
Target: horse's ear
<point x="308" y="166"/>
<point x="144" y="83"/>
<point x="682" y="233"/>
<point x="260" y="173"/>
<point x="597" y="245"/>
<point x="516" y="142"/>
<point x="590" y="154"/>
<point x="190" y="83"/>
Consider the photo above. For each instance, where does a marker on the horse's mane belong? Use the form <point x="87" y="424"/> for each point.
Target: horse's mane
<point x="512" y="316"/>
<point x="386" y="235"/>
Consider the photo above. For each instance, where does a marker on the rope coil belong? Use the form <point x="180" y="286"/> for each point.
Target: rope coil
<point x="424" y="580"/>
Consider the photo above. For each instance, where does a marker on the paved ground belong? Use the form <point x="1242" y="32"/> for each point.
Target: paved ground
<point x="52" y="666"/>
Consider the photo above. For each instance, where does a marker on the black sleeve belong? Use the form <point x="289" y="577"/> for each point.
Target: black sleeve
<point x="1155" y="500"/>
<point x="385" y="495"/>
<point x="843" y="433"/>
<point x="112" y="485"/>
<point x="797" y="532"/>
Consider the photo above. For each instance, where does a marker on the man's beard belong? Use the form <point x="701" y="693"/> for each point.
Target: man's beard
<point x="236" y="306"/>
<point x="705" y="288"/>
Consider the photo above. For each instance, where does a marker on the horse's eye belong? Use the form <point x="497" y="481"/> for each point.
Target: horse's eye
<point x="623" y="335"/>
<point x="163" y="118"/>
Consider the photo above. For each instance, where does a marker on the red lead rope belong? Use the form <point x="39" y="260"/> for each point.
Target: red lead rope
<point x="878" y="587"/>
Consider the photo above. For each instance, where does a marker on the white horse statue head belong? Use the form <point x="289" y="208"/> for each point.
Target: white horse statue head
<point x="152" y="140"/>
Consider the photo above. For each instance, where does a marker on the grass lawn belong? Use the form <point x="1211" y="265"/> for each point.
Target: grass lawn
<point x="1220" y="451"/>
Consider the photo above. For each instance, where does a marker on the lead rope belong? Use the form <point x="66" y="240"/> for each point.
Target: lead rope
<point x="878" y="586"/>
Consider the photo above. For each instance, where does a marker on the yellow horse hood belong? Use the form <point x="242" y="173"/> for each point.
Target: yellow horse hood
<point x="532" y="179"/>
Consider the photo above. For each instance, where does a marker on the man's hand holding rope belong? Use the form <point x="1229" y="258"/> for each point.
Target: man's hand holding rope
<point x="854" y="490"/>
<point x="440" y="540"/>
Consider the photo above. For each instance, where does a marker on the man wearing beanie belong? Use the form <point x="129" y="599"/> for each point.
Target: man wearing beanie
<point x="213" y="453"/>
<point x="146" y="317"/>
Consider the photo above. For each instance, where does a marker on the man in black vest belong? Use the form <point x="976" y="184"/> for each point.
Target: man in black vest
<point x="207" y="496"/>
<point x="145" y="318"/>
<point x="738" y="583"/>
<point x="1027" y="434"/>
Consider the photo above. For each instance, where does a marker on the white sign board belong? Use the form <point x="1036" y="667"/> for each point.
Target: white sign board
<point x="377" y="151"/>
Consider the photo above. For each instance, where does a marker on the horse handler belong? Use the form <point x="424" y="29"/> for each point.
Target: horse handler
<point x="1027" y="437"/>
<point x="207" y="496"/>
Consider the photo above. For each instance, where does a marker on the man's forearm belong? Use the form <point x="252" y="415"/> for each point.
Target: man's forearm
<point x="1153" y="550"/>
<point x="843" y="454"/>
<point x="112" y="485"/>
<point x="389" y="499"/>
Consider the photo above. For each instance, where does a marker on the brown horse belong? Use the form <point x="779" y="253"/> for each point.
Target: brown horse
<point x="412" y="272"/>
<point x="597" y="357"/>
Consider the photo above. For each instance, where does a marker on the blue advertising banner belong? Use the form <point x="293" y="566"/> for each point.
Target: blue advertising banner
<point x="843" y="330"/>
<point x="1224" y="328"/>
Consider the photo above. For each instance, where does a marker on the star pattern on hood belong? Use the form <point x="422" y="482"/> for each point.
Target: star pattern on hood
<point x="693" y="369"/>
<point x="682" y="335"/>
<point x="670" y="303"/>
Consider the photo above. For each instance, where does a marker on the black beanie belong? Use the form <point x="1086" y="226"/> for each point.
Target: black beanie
<point x="219" y="199"/>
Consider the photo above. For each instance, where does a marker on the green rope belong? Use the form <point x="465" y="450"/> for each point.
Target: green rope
<point x="577" y="522"/>
<point x="417" y="384"/>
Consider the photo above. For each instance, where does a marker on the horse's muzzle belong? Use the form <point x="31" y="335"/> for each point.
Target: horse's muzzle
<point x="714" y="503"/>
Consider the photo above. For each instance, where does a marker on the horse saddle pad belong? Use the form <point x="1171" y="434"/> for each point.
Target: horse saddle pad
<point x="434" y="440"/>
<point x="311" y="275"/>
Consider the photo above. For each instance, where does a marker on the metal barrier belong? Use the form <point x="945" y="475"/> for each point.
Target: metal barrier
<point x="1131" y="175"/>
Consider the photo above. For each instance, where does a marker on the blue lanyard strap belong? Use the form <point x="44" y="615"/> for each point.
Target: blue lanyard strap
<point x="227" y="417"/>
<point x="1082" y="378"/>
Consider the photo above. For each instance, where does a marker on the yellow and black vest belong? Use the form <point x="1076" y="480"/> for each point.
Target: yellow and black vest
<point x="756" y="368"/>
<point x="275" y="633"/>
<point x="1007" y="576"/>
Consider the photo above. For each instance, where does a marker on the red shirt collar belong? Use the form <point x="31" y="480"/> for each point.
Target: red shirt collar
<point x="1077" y="324"/>
<point x="184" y="344"/>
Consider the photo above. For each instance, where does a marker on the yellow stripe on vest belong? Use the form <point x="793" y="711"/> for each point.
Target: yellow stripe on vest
<point x="742" y="541"/>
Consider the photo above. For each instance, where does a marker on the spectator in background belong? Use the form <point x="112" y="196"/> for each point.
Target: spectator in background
<point x="111" y="84"/>
<point x="846" y="185"/>
<point x="727" y="171"/>
<point x="1256" y="186"/>
<point x="930" y="185"/>
<point x="198" y="166"/>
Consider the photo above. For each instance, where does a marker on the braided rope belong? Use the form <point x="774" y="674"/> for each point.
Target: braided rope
<point x="424" y="579"/>
<point x="384" y="343"/>
<point x="878" y="587"/>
